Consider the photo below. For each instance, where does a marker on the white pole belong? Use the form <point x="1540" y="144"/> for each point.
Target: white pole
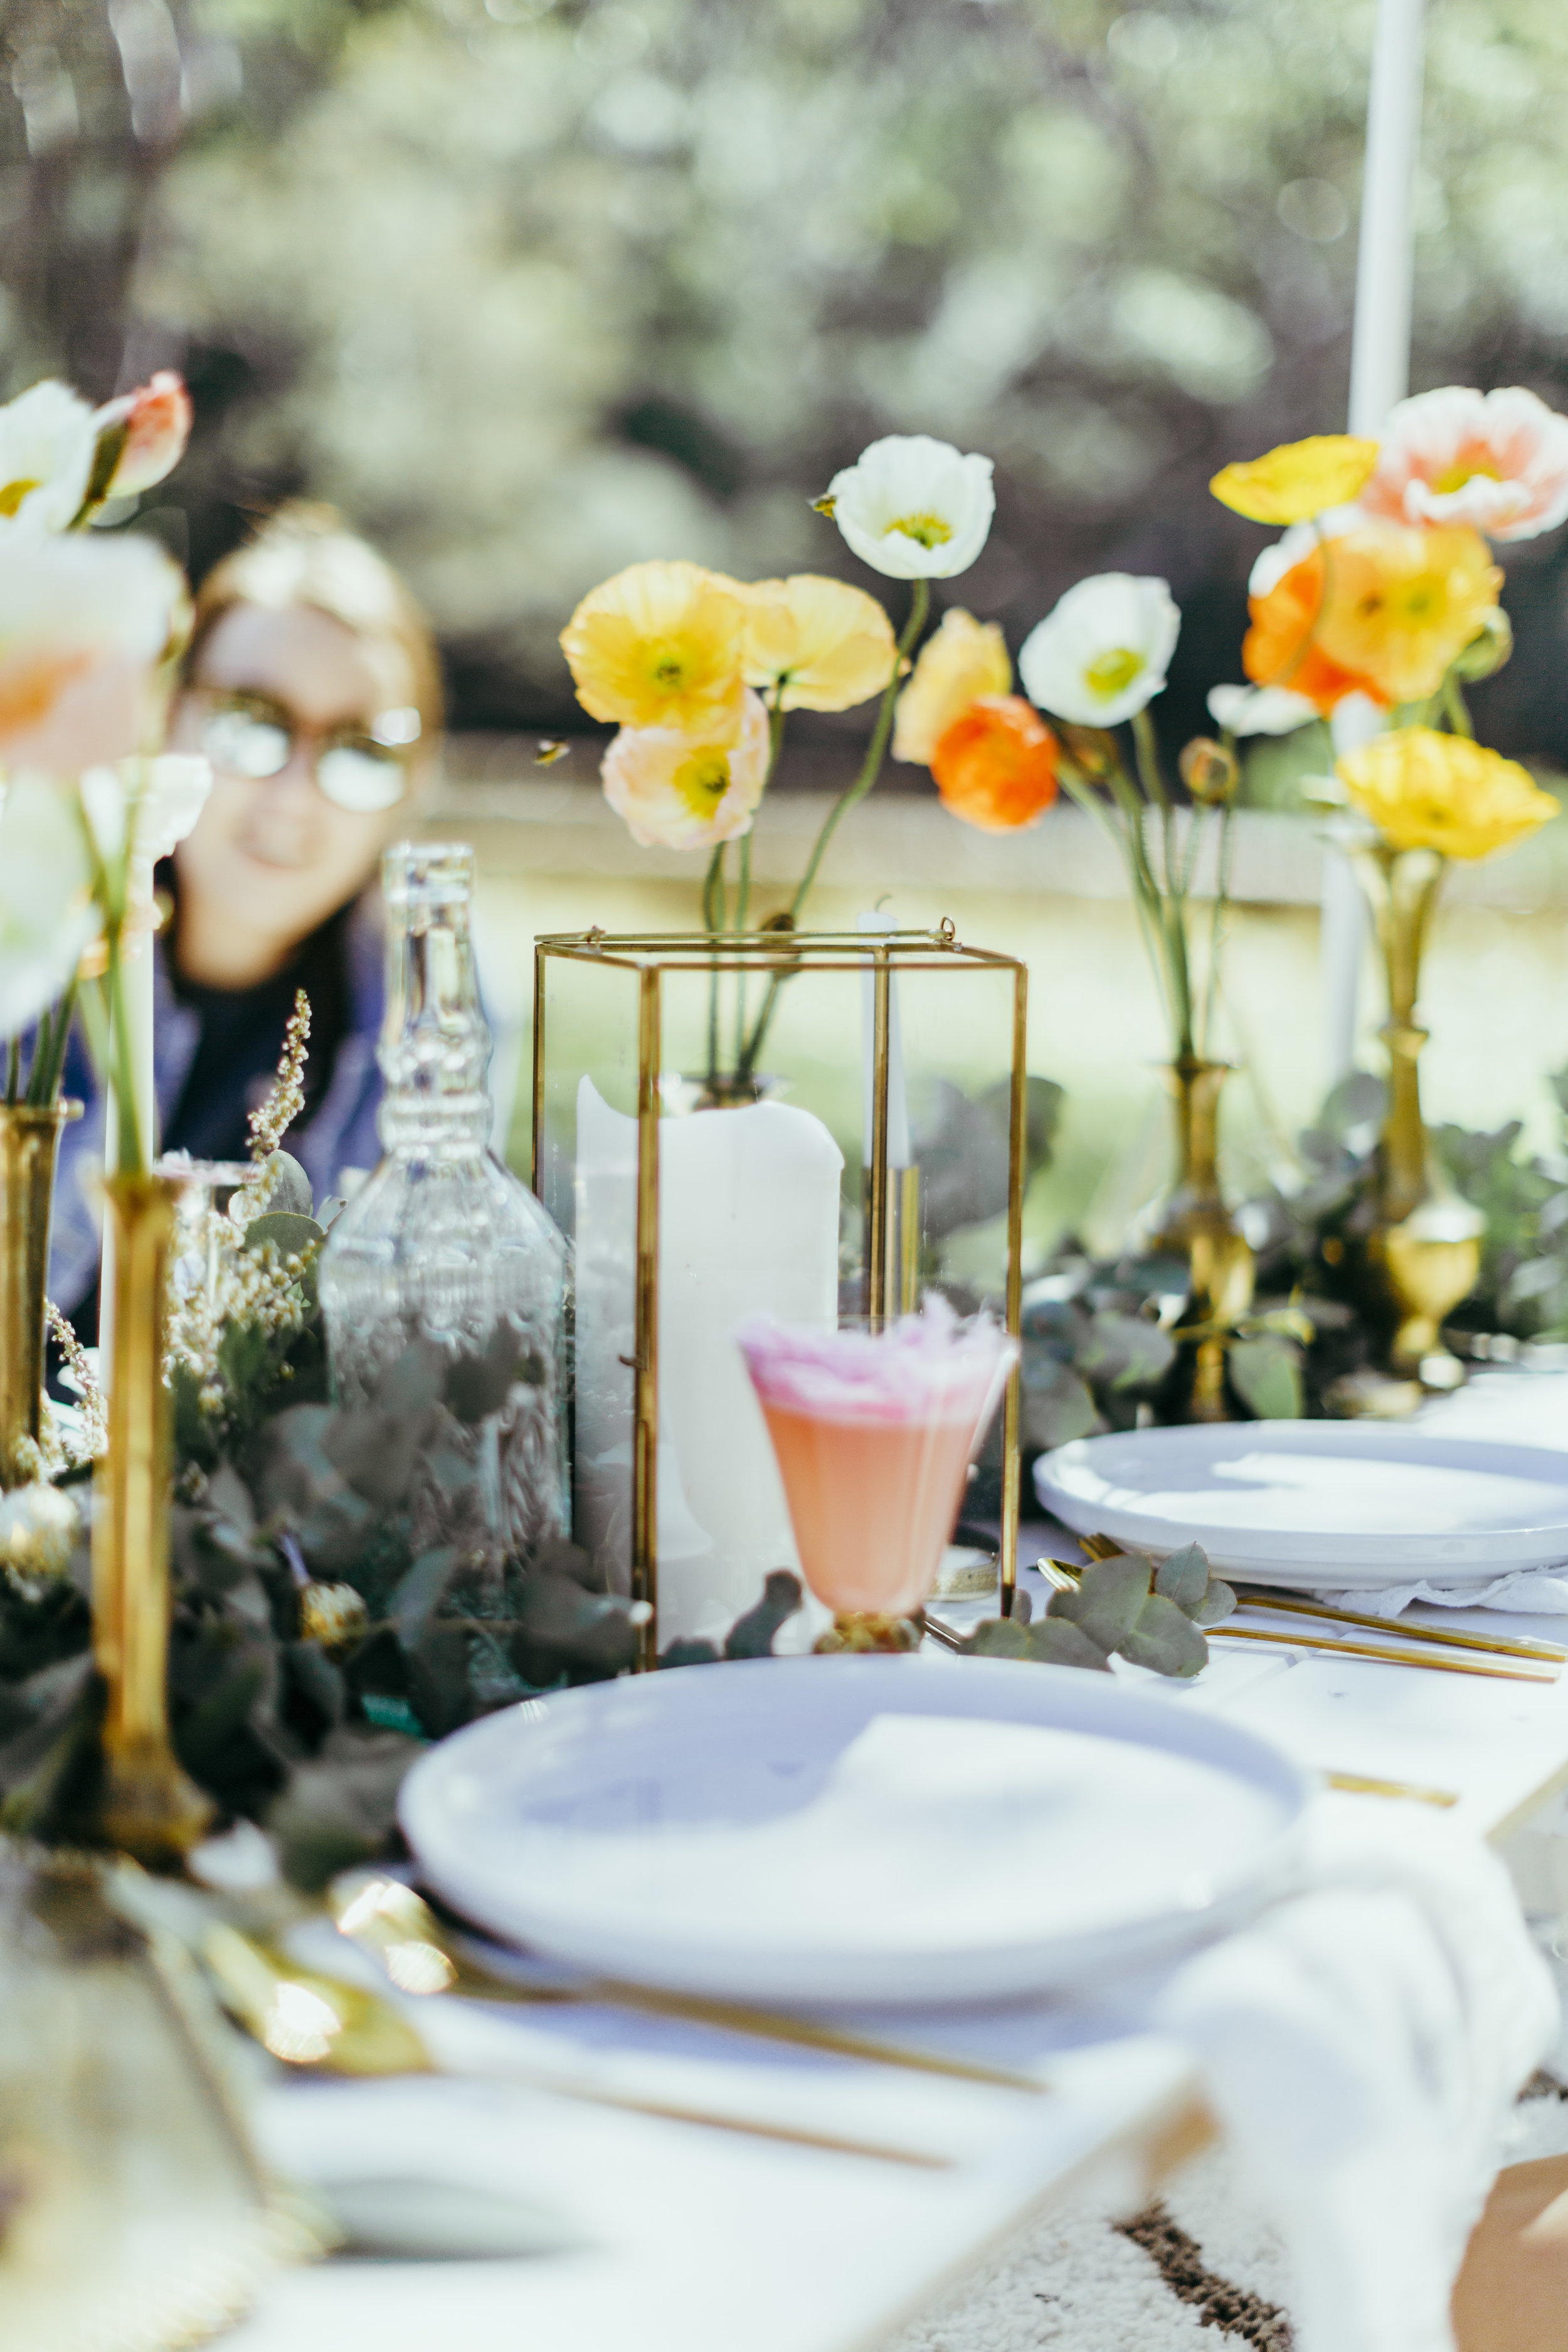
<point x="1379" y="375"/>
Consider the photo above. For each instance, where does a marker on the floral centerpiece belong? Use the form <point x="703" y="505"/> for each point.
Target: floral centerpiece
<point x="91" y="623"/>
<point x="1375" y="611"/>
<point x="699" y="671"/>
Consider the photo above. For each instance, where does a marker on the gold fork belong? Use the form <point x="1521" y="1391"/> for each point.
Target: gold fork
<point x="400" y="1931"/>
<point x="312" y="2020"/>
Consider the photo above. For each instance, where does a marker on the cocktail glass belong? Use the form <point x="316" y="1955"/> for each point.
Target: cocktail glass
<point x="875" y="1431"/>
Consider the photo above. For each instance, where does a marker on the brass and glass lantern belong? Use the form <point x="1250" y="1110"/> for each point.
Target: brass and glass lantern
<point x="810" y="1127"/>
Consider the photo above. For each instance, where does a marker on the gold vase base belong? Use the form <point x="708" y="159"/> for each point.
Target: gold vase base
<point x="149" y="1808"/>
<point x="863" y="1630"/>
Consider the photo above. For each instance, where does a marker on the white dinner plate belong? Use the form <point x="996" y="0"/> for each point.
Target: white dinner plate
<point x="1334" y="1503"/>
<point x="855" y="1829"/>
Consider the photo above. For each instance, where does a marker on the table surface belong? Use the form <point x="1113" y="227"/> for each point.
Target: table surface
<point x="687" y="2237"/>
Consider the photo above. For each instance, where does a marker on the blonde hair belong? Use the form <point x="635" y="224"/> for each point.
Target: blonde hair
<point x="304" y="554"/>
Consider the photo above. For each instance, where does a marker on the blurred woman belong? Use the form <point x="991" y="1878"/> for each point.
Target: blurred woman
<point x="313" y="685"/>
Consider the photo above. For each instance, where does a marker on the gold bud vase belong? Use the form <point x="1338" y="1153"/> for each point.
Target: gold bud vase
<point x="1422" y="1251"/>
<point x="1193" y="1222"/>
<point x="148" y="1807"/>
<point x="29" y="1148"/>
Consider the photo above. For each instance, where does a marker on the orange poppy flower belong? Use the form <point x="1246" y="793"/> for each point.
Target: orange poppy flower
<point x="1280" y="648"/>
<point x="995" y="767"/>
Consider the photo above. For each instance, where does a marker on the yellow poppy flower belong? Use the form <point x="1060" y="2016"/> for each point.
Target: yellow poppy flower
<point x="660" y="646"/>
<point x="1298" y="480"/>
<point x="1424" y="790"/>
<point x="1403" y="604"/>
<point x="963" y="662"/>
<point x="830" y="645"/>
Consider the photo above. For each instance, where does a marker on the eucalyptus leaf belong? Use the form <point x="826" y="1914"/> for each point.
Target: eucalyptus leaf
<point x="751" y="1636"/>
<point x="1217" y="1603"/>
<point x="1056" y="1411"/>
<point x="1166" y="1640"/>
<point x="420" y="1594"/>
<point x="1126" y="1351"/>
<point x="1182" y="1576"/>
<point x="1109" y="1597"/>
<point x="289" y="1233"/>
<point x="1001" y="1637"/>
<point x="288" y="1187"/>
<point x="1056" y="1642"/>
<point x="1267" y="1375"/>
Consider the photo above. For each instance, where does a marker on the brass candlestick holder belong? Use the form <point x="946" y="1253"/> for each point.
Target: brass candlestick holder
<point x="29" y="1146"/>
<point x="1193" y="1222"/>
<point x="1421" y="1253"/>
<point x="148" y="1807"/>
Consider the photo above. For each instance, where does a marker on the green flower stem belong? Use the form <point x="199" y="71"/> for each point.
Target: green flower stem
<point x="713" y="892"/>
<point x="1123" y="839"/>
<point x="131" y="1158"/>
<point x="1216" y="926"/>
<point x="920" y="608"/>
<point x="48" y="1067"/>
<point x="871" y="768"/>
<point x="1456" y="710"/>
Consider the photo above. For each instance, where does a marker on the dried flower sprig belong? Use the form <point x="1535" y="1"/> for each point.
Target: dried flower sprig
<point x="285" y="1099"/>
<point x="258" y="1288"/>
<point x="94" y="1413"/>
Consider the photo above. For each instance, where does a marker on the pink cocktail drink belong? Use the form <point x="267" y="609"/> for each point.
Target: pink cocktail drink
<point x="874" y="1434"/>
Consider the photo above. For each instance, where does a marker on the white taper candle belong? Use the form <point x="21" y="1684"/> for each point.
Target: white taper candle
<point x="1379" y="375"/>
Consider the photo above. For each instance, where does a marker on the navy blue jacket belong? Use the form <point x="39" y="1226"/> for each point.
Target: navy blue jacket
<point x="341" y="1134"/>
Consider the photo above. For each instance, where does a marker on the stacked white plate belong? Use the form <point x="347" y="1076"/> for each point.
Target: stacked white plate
<point x="1338" y="1504"/>
<point x="853" y="1829"/>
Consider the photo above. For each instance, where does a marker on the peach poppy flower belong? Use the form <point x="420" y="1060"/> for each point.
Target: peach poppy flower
<point x="84" y="624"/>
<point x="958" y="663"/>
<point x="156" y="421"/>
<point x="688" y="792"/>
<point x="995" y="767"/>
<point x="1496" y="460"/>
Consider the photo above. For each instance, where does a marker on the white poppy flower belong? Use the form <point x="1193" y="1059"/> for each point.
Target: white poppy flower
<point x="1259" y="710"/>
<point x="46" y="914"/>
<point x="84" y="620"/>
<point x="1103" y="653"/>
<point x="912" y="508"/>
<point x="153" y="802"/>
<point x="47" y="440"/>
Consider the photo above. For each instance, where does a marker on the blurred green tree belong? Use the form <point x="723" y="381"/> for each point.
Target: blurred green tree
<point x="533" y="290"/>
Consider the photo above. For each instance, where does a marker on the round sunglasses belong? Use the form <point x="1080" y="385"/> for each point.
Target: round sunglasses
<point x="361" y="769"/>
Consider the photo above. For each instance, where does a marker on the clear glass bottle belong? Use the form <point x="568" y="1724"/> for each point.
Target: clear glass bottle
<point x="444" y="1281"/>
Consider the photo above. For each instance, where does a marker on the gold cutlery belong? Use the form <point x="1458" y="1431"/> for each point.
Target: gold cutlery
<point x="1414" y="1637"/>
<point x="1333" y="1646"/>
<point x="1450" y="1636"/>
<point x="398" y="1928"/>
<point x="1363" y="1784"/>
<point x="310" y="2018"/>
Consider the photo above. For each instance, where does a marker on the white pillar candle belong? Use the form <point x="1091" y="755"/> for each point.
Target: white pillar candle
<point x="1379" y="375"/>
<point x="748" y="1225"/>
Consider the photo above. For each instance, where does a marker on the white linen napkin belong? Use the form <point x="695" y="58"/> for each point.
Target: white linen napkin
<point x="1529" y="1591"/>
<point x="1362" y="2044"/>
